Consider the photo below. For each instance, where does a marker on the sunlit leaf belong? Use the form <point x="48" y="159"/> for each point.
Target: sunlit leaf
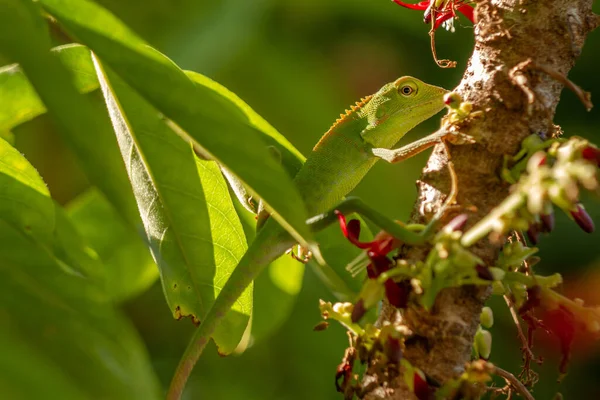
<point x="23" y="36"/>
<point x="25" y="201"/>
<point x="191" y="225"/>
<point x="202" y="114"/>
<point x="19" y="101"/>
<point x="26" y="205"/>
<point x="291" y="158"/>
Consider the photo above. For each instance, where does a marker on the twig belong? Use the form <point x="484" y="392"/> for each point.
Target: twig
<point x="515" y="317"/>
<point x="519" y="79"/>
<point x="528" y="355"/>
<point x="584" y="97"/>
<point x="514" y="382"/>
<point x="445" y="63"/>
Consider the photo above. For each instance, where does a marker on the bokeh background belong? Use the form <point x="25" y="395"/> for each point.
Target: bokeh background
<point x="299" y="64"/>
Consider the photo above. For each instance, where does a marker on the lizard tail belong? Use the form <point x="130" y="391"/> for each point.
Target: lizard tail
<point x="270" y="243"/>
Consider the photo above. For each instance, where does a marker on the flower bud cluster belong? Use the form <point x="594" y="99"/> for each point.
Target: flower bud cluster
<point x="557" y="177"/>
<point x="553" y="177"/>
<point x="370" y="345"/>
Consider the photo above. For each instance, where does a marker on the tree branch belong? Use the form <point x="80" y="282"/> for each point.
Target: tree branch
<point x="509" y="32"/>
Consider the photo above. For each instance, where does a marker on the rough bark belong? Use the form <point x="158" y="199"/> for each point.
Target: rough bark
<point x="518" y="99"/>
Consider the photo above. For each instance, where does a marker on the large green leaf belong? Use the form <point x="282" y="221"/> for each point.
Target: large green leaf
<point x="27" y="374"/>
<point x="72" y="252"/>
<point x="24" y="37"/>
<point x="291" y="158"/>
<point x="191" y="225"/>
<point x="54" y="312"/>
<point x="51" y="319"/>
<point x="208" y="118"/>
<point x="128" y="265"/>
<point x="25" y="201"/>
<point x="18" y="100"/>
<point x="26" y="205"/>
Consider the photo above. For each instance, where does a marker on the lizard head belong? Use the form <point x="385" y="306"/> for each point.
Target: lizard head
<point x="397" y="108"/>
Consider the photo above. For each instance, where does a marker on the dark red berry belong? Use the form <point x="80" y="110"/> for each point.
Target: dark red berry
<point x="396" y="293"/>
<point x="380" y="262"/>
<point x="583" y="219"/>
<point x="358" y="311"/>
<point x="458" y="223"/>
<point x="533" y="233"/>
<point x="393" y="350"/>
<point x="483" y="272"/>
<point x="547" y="222"/>
<point x="592" y="154"/>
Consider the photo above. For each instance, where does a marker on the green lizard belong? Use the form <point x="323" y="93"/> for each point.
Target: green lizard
<point x="339" y="161"/>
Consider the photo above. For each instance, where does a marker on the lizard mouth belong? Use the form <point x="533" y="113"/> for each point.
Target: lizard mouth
<point x="419" y="106"/>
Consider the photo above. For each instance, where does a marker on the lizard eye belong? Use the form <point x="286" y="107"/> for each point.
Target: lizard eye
<point x="406" y="90"/>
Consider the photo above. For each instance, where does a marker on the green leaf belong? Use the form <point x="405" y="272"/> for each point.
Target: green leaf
<point x="27" y="374"/>
<point x="275" y="294"/>
<point x="58" y="321"/>
<point x="19" y="101"/>
<point x="26" y="205"/>
<point x="128" y="265"/>
<point x="291" y="158"/>
<point x="24" y="37"/>
<point x="72" y="251"/>
<point x="204" y="116"/>
<point x="275" y="289"/>
<point x="191" y="225"/>
<point x="25" y="201"/>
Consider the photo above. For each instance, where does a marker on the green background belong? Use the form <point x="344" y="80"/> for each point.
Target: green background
<point x="299" y="64"/>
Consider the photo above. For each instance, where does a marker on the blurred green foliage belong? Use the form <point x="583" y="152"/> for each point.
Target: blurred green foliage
<point x="299" y="64"/>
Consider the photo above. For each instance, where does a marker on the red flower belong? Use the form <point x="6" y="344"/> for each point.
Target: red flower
<point x="396" y="292"/>
<point x="377" y="249"/>
<point x="446" y="10"/>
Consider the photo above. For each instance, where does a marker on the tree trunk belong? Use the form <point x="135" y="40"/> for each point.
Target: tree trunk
<point x="518" y="46"/>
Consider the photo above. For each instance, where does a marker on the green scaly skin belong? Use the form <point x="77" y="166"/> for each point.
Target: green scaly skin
<point x="337" y="164"/>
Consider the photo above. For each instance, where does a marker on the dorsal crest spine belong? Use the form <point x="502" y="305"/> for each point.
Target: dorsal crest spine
<point x="357" y="106"/>
<point x="353" y="108"/>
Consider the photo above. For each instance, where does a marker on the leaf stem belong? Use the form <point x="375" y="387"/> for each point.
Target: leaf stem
<point x="188" y="360"/>
<point x="514" y="382"/>
<point x="493" y="219"/>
